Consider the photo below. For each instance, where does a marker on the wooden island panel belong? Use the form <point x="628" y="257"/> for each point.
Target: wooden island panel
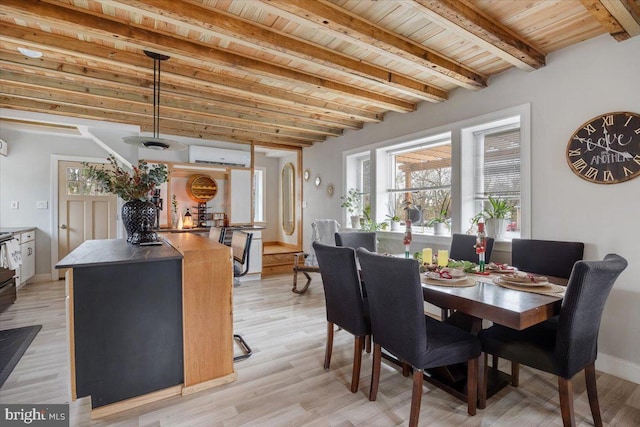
<point x="207" y="298"/>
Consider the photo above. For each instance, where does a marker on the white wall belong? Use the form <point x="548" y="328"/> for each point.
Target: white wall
<point x="578" y="83"/>
<point x="25" y="176"/>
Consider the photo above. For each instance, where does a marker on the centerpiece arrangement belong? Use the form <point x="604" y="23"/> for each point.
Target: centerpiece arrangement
<point x="135" y="188"/>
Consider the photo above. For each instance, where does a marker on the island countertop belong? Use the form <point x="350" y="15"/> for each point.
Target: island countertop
<point x="115" y="251"/>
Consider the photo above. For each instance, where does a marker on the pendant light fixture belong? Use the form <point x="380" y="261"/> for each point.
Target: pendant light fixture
<point x="155" y="142"/>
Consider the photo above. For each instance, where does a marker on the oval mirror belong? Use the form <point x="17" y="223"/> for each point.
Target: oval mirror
<point x="288" y="199"/>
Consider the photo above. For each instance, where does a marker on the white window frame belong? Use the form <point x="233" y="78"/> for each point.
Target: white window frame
<point x="462" y="189"/>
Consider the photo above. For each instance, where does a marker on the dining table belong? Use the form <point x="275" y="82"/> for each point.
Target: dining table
<point x="486" y="297"/>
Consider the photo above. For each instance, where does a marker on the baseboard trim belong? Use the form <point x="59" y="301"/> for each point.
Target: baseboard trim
<point x="618" y="367"/>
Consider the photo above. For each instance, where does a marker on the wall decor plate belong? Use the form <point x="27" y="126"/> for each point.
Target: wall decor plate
<point x="307" y="174"/>
<point x="330" y="190"/>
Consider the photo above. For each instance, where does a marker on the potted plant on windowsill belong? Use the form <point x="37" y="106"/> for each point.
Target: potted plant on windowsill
<point x="353" y="202"/>
<point x="496" y="216"/>
<point x="394" y="222"/>
<point x="440" y="222"/>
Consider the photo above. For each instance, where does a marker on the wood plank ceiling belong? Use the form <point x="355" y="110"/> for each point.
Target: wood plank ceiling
<point x="278" y="71"/>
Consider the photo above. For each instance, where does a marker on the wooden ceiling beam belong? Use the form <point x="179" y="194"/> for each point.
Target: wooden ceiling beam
<point x="22" y="70"/>
<point x="364" y="34"/>
<point x="145" y="110"/>
<point x="627" y="13"/>
<point x="468" y="22"/>
<point x="189" y="51"/>
<point x="139" y="95"/>
<point x="214" y="23"/>
<point x="606" y="19"/>
<point x="124" y="64"/>
<point x="174" y="127"/>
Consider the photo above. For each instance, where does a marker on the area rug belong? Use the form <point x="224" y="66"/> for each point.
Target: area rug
<point x="13" y="344"/>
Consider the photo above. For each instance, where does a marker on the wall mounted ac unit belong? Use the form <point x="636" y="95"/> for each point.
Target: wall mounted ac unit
<point x="219" y="156"/>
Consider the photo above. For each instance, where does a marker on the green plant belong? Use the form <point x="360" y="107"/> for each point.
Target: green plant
<point x="352" y="201"/>
<point x="128" y="186"/>
<point x="443" y="214"/>
<point x="497" y="208"/>
<point x="393" y="217"/>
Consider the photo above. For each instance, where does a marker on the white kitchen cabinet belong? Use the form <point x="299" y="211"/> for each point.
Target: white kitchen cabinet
<point x="255" y="254"/>
<point x="28" y="252"/>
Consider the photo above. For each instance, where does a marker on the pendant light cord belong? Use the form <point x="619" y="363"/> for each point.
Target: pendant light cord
<point x="156" y="97"/>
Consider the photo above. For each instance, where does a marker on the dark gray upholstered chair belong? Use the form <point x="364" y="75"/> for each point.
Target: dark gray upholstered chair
<point x="358" y="239"/>
<point x="548" y="257"/>
<point x="240" y="245"/>
<point x="398" y="324"/>
<point x="217" y="234"/>
<point x="567" y="343"/>
<point x="343" y="299"/>
<point x="463" y="248"/>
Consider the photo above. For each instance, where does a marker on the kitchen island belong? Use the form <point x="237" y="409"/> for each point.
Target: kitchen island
<point x="148" y="322"/>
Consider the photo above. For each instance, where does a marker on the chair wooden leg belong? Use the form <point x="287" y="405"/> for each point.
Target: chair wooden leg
<point x="406" y="369"/>
<point x="472" y="384"/>
<point x="375" y="371"/>
<point x="368" y="344"/>
<point x="565" y="388"/>
<point x="515" y="374"/>
<point x="416" y="398"/>
<point x="592" y="392"/>
<point x="483" y="378"/>
<point x="358" y="343"/>
<point x="329" y="348"/>
<point x="494" y="361"/>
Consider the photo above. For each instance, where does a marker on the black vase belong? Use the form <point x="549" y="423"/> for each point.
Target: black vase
<point x="138" y="217"/>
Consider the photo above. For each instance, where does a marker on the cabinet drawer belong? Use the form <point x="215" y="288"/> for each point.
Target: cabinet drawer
<point x="27" y="236"/>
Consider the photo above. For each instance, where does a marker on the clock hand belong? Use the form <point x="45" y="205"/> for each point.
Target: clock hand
<point x="624" y="154"/>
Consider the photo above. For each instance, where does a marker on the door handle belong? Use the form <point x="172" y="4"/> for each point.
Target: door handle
<point x="64" y="227"/>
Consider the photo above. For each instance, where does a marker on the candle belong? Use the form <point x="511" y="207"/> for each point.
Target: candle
<point x="427" y="256"/>
<point x="443" y="258"/>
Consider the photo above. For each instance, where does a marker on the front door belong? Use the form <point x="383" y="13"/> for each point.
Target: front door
<point x="84" y="213"/>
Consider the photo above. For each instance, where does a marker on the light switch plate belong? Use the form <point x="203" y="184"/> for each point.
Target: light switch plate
<point x="42" y="204"/>
<point x="14" y="204"/>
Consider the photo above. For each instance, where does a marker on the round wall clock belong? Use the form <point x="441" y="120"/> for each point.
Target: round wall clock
<point x="606" y="149"/>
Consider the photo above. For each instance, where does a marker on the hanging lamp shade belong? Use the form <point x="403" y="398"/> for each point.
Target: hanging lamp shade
<point x="155" y="142"/>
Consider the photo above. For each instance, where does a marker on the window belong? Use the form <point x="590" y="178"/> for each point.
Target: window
<point x="447" y="173"/>
<point x="359" y="178"/>
<point x="79" y="184"/>
<point x="497" y="169"/>
<point x="421" y="181"/>
<point x="259" y="196"/>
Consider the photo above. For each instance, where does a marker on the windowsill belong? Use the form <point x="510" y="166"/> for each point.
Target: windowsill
<point x="444" y="240"/>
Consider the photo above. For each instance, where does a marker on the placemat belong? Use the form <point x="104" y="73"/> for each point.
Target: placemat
<point x="547" y="289"/>
<point x="471" y="281"/>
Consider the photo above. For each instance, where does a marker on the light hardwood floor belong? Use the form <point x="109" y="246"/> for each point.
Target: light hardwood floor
<point x="283" y="383"/>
